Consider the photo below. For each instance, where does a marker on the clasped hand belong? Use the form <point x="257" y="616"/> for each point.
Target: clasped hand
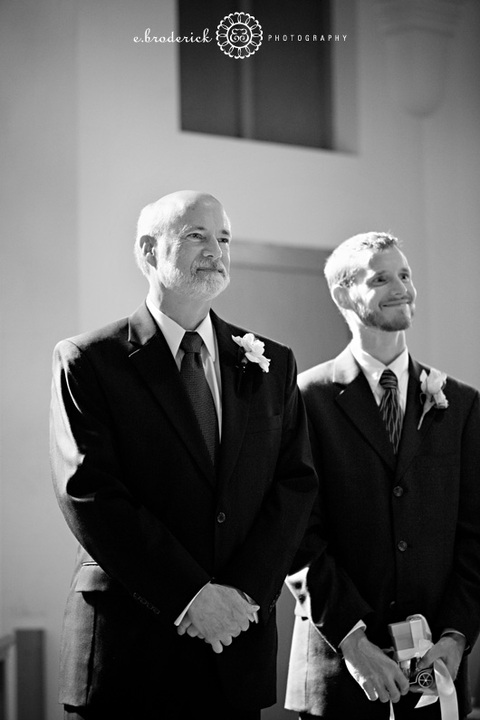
<point x="380" y="677"/>
<point x="217" y="615"/>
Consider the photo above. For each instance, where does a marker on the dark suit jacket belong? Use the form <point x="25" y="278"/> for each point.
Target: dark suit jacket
<point x="155" y="522"/>
<point x="392" y="537"/>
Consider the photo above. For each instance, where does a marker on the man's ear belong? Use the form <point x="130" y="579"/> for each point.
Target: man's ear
<point x="341" y="297"/>
<point x="147" y="245"/>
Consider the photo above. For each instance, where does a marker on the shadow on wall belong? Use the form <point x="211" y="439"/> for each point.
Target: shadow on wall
<point x="280" y="292"/>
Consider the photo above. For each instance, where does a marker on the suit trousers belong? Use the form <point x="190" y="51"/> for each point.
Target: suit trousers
<point x="164" y="713"/>
<point x="198" y="694"/>
<point x="381" y="711"/>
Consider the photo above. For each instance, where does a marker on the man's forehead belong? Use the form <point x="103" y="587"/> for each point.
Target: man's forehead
<point x="196" y="212"/>
<point x="376" y="260"/>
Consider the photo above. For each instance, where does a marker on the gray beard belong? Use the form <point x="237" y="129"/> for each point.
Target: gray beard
<point x="194" y="286"/>
<point x="209" y="287"/>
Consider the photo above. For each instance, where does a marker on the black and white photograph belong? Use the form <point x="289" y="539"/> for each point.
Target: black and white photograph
<point x="239" y="363"/>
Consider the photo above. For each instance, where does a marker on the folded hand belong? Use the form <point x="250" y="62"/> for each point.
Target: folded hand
<point x="217" y="615"/>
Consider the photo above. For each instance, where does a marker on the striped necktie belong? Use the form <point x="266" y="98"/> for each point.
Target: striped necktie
<point x="390" y="407"/>
<point x="199" y="392"/>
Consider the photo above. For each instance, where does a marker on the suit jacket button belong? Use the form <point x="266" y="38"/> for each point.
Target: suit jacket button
<point x="221" y="517"/>
<point x="402" y="545"/>
<point x="398" y="491"/>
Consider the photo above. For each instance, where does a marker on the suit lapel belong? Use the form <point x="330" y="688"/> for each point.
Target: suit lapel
<point x="357" y="401"/>
<point x="412" y="437"/>
<point x="236" y="395"/>
<point x="153" y="360"/>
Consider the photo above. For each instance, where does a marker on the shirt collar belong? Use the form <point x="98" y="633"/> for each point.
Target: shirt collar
<point x="173" y="332"/>
<point x="373" y="368"/>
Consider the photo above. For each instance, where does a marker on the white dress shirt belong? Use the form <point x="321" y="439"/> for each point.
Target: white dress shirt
<point x="373" y="369"/>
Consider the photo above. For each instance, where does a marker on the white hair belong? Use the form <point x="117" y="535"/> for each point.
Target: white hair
<point x="155" y="217"/>
<point x="151" y="222"/>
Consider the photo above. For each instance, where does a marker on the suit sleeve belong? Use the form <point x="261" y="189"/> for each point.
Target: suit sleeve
<point x="460" y="606"/>
<point x="260" y="566"/>
<point x="322" y="588"/>
<point x="128" y="542"/>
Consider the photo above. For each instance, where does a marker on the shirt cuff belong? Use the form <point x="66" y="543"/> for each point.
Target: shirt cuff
<point x="451" y="631"/>
<point x="244" y="595"/>
<point x="182" y="614"/>
<point x="360" y="625"/>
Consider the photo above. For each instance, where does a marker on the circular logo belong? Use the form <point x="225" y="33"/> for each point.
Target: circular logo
<point x="239" y="35"/>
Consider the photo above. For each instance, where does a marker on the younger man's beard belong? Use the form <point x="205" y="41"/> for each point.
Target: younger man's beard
<point x="375" y="319"/>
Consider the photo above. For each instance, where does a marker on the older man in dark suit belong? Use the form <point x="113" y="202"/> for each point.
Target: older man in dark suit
<point x="397" y="528"/>
<point x="181" y="463"/>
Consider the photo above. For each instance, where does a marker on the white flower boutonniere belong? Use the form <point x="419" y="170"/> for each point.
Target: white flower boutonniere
<point x="432" y="394"/>
<point x="253" y="349"/>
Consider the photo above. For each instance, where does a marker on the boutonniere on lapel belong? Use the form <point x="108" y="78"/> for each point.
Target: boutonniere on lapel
<point x="253" y="350"/>
<point x="431" y="392"/>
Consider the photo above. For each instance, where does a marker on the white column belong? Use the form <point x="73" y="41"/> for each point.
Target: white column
<point x="417" y="35"/>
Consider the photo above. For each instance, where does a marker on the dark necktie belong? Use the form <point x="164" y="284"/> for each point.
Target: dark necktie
<point x="198" y="390"/>
<point x="390" y="407"/>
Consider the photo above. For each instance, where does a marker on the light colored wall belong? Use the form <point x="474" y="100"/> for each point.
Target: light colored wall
<point x="90" y="134"/>
<point x="451" y="162"/>
<point x="39" y="304"/>
<point x="415" y="176"/>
